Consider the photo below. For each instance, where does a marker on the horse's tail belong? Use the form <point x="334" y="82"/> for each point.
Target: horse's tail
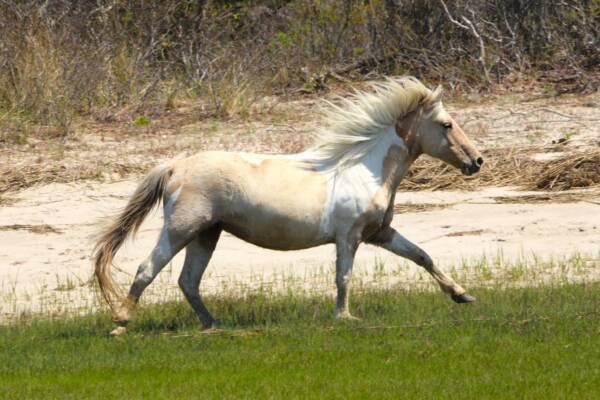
<point x="147" y="195"/>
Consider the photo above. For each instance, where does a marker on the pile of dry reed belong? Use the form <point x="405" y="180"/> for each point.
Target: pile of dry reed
<point x="574" y="171"/>
<point x="510" y="167"/>
<point x="13" y="179"/>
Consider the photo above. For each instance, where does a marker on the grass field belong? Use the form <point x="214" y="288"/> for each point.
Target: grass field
<point x="512" y="343"/>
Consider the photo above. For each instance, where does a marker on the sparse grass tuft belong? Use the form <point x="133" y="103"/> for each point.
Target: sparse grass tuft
<point x="141" y="121"/>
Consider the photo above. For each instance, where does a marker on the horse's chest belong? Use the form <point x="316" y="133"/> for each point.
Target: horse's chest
<point x="375" y="223"/>
<point x="378" y="215"/>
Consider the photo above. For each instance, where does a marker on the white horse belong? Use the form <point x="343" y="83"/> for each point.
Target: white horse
<point x="340" y="191"/>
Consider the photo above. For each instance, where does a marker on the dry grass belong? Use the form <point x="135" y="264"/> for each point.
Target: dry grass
<point x="7" y="201"/>
<point x="503" y="168"/>
<point x="42" y="229"/>
<point x="565" y="197"/>
<point x="583" y="170"/>
<point x="510" y="167"/>
<point x="561" y="197"/>
<point x="415" y="208"/>
<point x="13" y="179"/>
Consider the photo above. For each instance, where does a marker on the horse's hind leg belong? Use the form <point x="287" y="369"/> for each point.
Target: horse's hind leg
<point x="393" y="241"/>
<point x="169" y="243"/>
<point x="197" y="256"/>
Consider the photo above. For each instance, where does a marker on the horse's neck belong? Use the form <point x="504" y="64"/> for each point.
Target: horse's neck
<point x="382" y="168"/>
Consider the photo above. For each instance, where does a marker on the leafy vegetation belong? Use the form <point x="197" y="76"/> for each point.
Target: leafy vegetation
<point x="64" y="59"/>
<point x="141" y="121"/>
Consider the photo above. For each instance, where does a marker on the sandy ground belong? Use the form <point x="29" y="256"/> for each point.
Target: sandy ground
<point x="48" y="234"/>
<point x="47" y="231"/>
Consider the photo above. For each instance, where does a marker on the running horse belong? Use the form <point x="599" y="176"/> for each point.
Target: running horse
<point x="341" y="190"/>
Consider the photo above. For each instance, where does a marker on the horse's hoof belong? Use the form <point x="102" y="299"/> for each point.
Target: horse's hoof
<point x="212" y="325"/>
<point x="463" y="298"/>
<point x="119" y="330"/>
<point x="346" y="316"/>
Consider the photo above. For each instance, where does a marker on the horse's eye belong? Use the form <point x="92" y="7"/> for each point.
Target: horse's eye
<point x="447" y="125"/>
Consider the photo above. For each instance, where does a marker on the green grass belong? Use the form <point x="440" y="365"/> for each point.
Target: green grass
<point x="512" y="343"/>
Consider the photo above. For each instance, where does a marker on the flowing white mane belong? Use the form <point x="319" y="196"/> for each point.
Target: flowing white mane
<point x="355" y="124"/>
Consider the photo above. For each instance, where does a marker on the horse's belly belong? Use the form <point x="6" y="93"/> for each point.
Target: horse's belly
<point x="277" y="232"/>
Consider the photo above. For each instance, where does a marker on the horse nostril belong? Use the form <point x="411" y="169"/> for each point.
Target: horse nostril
<point x="479" y="161"/>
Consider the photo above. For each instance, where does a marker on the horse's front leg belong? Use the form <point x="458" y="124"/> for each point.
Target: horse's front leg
<point x="345" y="251"/>
<point x="391" y="240"/>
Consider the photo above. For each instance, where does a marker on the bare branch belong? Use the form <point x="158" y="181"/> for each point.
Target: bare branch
<point x="450" y="16"/>
<point x="471" y="28"/>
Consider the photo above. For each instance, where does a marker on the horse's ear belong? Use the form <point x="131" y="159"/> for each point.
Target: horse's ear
<point x="436" y="96"/>
<point x="433" y="98"/>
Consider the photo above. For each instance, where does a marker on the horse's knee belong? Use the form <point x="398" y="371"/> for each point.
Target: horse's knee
<point x="342" y="280"/>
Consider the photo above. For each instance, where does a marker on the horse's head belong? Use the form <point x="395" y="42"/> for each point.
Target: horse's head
<point x="431" y="130"/>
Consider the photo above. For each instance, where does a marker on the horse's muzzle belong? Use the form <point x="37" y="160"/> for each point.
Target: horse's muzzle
<point x="473" y="167"/>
